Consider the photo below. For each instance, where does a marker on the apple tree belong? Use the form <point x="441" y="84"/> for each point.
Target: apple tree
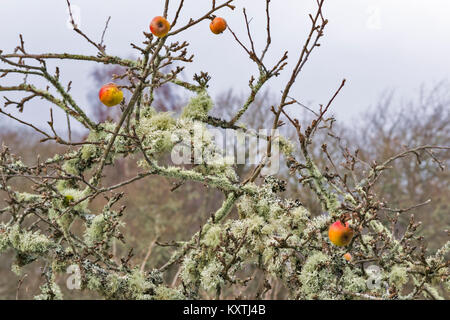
<point x="254" y="228"/>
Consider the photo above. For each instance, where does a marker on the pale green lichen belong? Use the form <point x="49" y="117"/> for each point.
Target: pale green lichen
<point x="377" y="226"/>
<point x="63" y="220"/>
<point x="398" y="276"/>
<point x="137" y="284"/>
<point x="161" y="121"/>
<point x="72" y="205"/>
<point x="320" y="222"/>
<point x="165" y="293"/>
<point x="316" y="277"/>
<point x="4" y="243"/>
<point x="198" y="107"/>
<point x="246" y="206"/>
<point x="49" y="292"/>
<point x="212" y="237"/>
<point x="268" y="254"/>
<point x="447" y="281"/>
<point x="220" y="166"/>
<point x="300" y="218"/>
<point x="94" y="283"/>
<point x="114" y="284"/>
<point x="263" y="207"/>
<point x="211" y="277"/>
<point x="27" y="197"/>
<point x="96" y="231"/>
<point x="432" y="292"/>
<point x="60" y="265"/>
<point x="352" y="282"/>
<point x="74" y="196"/>
<point x="89" y="151"/>
<point x="348" y="197"/>
<point x="286" y="146"/>
<point x="25" y="242"/>
<point x="70" y="166"/>
<point x="190" y="274"/>
<point x="156" y="132"/>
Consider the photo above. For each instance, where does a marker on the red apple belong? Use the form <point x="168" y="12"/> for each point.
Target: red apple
<point x="218" y="25"/>
<point x="110" y="95"/>
<point x="160" y="26"/>
<point x="340" y="234"/>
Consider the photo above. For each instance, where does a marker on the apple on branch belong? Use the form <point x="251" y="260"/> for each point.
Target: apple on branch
<point x="160" y="26"/>
<point x="218" y="25"/>
<point x="110" y="95"/>
<point x="340" y="234"/>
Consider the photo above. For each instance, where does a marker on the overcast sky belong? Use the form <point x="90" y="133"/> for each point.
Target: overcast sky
<point x="375" y="44"/>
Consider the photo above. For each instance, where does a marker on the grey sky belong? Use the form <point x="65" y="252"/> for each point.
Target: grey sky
<point x="374" y="44"/>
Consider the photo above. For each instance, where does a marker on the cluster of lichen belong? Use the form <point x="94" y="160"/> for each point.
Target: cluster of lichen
<point x="276" y="235"/>
<point x="24" y="242"/>
<point x="27" y="245"/>
<point x="102" y="227"/>
<point x="186" y="137"/>
<point x="271" y="230"/>
<point x="198" y="107"/>
<point x="135" y="285"/>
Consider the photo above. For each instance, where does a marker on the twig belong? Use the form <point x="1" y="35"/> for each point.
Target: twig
<point x="149" y="252"/>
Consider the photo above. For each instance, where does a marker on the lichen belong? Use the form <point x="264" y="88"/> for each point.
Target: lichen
<point x="74" y="196"/>
<point x="63" y="220"/>
<point x="353" y="282"/>
<point x="165" y="293"/>
<point x="49" y="292"/>
<point x="70" y="166"/>
<point x="190" y="274"/>
<point x="300" y="217"/>
<point x="137" y="284"/>
<point x="156" y="132"/>
<point x="198" y="107"/>
<point x="89" y="151"/>
<point x="316" y="277"/>
<point x="286" y="146"/>
<point x="94" y="283"/>
<point x="398" y="276"/>
<point x="212" y="237"/>
<point x="27" y="197"/>
<point x="95" y="232"/>
<point x="211" y="277"/>
<point x="25" y="242"/>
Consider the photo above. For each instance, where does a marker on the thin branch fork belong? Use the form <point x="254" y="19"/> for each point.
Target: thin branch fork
<point x="100" y="47"/>
<point x="409" y="208"/>
<point x="204" y="17"/>
<point x="408" y="152"/>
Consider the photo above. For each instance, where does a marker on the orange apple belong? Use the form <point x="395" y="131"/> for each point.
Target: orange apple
<point x="218" y="25"/>
<point x="160" y="26"/>
<point x="340" y="234"/>
<point x="110" y="95"/>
